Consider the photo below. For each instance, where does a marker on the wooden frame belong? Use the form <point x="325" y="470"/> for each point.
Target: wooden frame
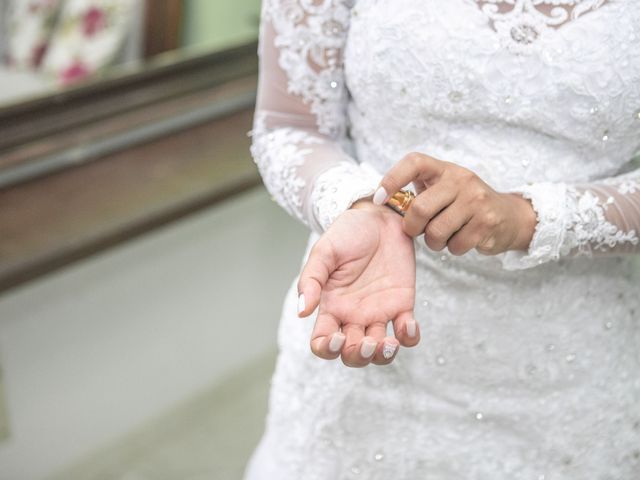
<point x="163" y="19"/>
<point x="35" y="131"/>
<point x="92" y="167"/>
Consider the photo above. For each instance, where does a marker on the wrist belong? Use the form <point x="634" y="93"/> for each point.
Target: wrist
<point x="526" y="221"/>
<point x="364" y="202"/>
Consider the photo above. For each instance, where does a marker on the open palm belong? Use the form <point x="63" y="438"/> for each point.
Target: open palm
<point x="361" y="274"/>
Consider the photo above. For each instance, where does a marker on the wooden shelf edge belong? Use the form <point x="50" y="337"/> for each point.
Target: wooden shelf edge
<point x="46" y="264"/>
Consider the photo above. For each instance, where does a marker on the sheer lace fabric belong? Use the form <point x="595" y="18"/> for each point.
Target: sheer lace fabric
<point x="300" y="136"/>
<point x="523" y="375"/>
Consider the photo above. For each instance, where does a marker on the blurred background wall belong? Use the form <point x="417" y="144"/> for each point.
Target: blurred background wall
<point x="108" y="345"/>
<point x="142" y="265"/>
<point x="218" y="23"/>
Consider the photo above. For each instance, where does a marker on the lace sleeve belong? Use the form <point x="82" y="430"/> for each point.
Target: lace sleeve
<point x="299" y="139"/>
<point x="595" y="219"/>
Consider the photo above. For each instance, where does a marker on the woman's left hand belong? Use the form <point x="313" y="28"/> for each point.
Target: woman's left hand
<point x="454" y="208"/>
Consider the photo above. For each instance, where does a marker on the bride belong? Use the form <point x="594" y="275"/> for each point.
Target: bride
<point x="510" y="275"/>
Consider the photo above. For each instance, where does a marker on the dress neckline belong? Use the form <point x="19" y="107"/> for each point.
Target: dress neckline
<point x="521" y="24"/>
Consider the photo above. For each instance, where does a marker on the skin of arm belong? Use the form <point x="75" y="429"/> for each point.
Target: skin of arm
<point x="361" y="276"/>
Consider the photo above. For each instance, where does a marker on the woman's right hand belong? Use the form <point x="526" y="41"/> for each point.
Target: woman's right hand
<point x="361" y="275"/>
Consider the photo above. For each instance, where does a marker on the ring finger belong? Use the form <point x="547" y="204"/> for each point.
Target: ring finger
<point x="426" y="206"/>
<point x="441" y="228"/>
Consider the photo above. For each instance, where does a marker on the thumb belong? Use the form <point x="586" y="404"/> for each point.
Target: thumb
<point x="315" y="273"/>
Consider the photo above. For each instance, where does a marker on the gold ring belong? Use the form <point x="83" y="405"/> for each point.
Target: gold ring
<point x="401" y="201"/>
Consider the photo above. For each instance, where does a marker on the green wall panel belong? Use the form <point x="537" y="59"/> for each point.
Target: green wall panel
<point x="219" y="23"/>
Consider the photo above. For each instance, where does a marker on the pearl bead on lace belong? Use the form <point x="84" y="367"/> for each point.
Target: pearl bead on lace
<point x="554" y="362"/>
<point x="332" y="28"/>
<point x="524" y="34"/>
<point x="455" y="96"/>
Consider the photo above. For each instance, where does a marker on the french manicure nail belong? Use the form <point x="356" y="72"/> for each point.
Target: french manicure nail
<point x="411" y="328"/>
<point x="337" y="340"/>
<point x="367" y="349"/>
<point x="388" y="350"/>
<point x="380" y="196"/>
<point x="301" y="304"/>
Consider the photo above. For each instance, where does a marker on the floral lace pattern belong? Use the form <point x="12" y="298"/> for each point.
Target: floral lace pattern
<point x="278" y="153"/>
<point x="579" y="215"/>
<point x="520" y="23"/>
<point x="589" y="228"/>
<point x="456" y="108"/>
<point x="338" y="188"/>
<point x="313" y="184"/>
<point x="625" y="184"/>
<point x="310" y="35"/>
<point x="521" y="375"/>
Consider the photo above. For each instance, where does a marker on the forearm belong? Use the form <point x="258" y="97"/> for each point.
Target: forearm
<point x="601" y="218"/>
<point x="299" y="139"/>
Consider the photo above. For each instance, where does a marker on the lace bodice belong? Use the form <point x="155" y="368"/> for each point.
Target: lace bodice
<point x="540" y="97"/>
<point x="528" y="375"/>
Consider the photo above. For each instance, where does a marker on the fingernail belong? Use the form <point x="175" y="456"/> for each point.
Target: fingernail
<point x="388" y="350"/>
<point x="301" y="303"/>
<point x="411" y="328"/>
<point x="380" y="196"/>
<point x="367" y="349"/>
<point x="337" y="340"/>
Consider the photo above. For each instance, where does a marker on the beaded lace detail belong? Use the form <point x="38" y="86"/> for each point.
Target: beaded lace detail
<point x="278" y="153"/>
<point x="520" y="375"/>
<point x="588" y="226"/>
<point x="579" y="216"/>
<point x="310" y="36"/>
<point x="308" y="39"/>
<point x="313" y="184"/>
<point x="520" y="23"/>
<point x="337" y="189"/>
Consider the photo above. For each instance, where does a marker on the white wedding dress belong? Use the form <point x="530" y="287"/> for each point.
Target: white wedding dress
<point x="529" y="364"/>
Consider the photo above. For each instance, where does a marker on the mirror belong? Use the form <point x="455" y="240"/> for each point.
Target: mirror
<point x="50" y="46"/>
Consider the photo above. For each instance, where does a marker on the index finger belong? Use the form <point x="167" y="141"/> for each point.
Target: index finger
<point x="413" y="166"/>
